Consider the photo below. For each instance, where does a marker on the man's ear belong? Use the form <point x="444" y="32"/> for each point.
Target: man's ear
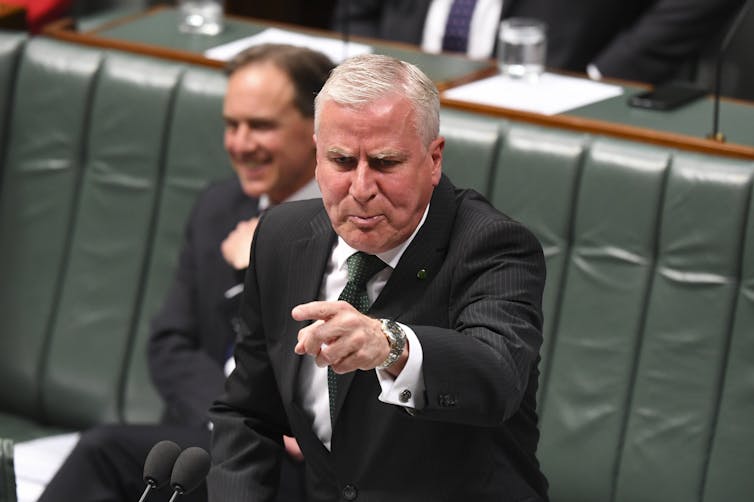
<point x="435" y="152"/>
<point x="316" y="157"/>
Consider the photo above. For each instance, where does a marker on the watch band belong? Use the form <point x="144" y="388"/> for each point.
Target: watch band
<point x="397" y="339"/>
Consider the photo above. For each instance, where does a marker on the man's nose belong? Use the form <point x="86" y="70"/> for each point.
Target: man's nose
<point x="363" y="186"/>
<point x="243" y="139"/>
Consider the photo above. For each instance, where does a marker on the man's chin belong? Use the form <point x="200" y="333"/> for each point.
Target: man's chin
<point x="254" y="188"/>
<point x="371" y="242"/>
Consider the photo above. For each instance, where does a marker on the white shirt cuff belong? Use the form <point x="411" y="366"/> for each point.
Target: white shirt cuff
<point x="407" y="389"/>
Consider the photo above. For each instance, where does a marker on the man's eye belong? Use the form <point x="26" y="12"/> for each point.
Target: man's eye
<point x="384" y="163"/>
<point x="342" y="161"/>
<point x="262" y="126"/>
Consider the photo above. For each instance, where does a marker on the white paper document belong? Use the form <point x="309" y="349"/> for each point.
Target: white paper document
<point x="333" y="48"/>
<point x="37" y="461"/>
<point x="551" y="95"/>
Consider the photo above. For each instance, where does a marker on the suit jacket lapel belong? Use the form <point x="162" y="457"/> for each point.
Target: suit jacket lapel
<point x="307" y="267"/>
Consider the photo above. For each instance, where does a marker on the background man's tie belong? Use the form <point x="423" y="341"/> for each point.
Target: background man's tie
<point x="456" y="36"/>
<point x="361" y="268"/>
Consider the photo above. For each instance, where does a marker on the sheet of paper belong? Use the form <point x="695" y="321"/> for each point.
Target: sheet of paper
<point x="333" y="48"/>
<point x="551" y="95"/>
<point x="37" y="461"/>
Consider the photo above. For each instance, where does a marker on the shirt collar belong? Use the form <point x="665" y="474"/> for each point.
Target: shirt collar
<point x="308" y="191"/>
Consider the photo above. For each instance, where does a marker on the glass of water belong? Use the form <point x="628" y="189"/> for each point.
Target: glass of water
<point x="522" y="46"/>
<point x="204" y="17"/>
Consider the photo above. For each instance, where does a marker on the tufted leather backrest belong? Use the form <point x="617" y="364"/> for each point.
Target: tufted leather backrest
<point x="106" y="152"/>
<point x="646" y="388"/>
<point x="42" y="169"/>
<point x="194" y="153"/>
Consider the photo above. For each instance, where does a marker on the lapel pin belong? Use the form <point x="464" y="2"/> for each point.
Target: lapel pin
<point x="421" y="274"/>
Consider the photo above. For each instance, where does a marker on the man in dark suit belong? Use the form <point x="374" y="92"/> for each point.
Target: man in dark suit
<point x="394" y="326"/>
<point x="643" y="40"/>
<point x="268" y="110"/>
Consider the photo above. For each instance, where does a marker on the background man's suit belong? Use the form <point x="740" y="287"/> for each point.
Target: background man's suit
<point x="645" y="40"/>
<point x="477" y="436"/>
<point x="190" y="341"/>
<point x="192" y="334"/>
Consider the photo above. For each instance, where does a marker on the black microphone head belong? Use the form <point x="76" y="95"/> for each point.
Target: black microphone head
<point x="190" y="469"/>
<point x="159" y="463"/>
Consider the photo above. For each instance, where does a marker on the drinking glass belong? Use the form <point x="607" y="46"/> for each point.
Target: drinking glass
<point x="204" y="17"/>
<point x="522" y="46"/>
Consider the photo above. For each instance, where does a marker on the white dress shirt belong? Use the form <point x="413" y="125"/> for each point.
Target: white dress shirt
<point x="313" y="380"/>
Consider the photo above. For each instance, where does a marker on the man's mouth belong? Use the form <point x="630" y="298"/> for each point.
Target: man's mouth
<point x="253" y="169"/>
<point x="364" y="220"/>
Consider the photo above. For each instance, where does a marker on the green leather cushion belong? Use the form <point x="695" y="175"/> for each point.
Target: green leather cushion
<point x="42" y="167"/>
<point x="729" y="472"/>
<point x="535" y="182"/>
<point x="470" y="149"/>
<point x="687" y="324"/>
<point x="11" y="44"/>
<point x="603" y="295"/>
<point x="114" y="222"/>
<point x="194" y="154"/>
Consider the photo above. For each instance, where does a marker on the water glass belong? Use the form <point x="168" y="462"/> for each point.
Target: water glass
<point x="522" y="46"/>
<point x="204" y="17"/>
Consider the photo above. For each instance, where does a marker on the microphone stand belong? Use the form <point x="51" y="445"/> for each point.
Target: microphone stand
<point x="716" y="134"/>
<point x="146" y="492"/>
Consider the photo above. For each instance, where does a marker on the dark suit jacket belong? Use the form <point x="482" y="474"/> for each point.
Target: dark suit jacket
<point x="642" y="40"/>
<point x="478" y="317"/>
<point x="191" y="333"/>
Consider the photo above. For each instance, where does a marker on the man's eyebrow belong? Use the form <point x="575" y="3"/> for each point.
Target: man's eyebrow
<point x="250" y="120"/>
<point x="334" y="150"/>
<point x="396" y="155"/>
<point x="389" y="155"/>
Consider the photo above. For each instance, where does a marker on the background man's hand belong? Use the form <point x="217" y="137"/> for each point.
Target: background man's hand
<point x="291" y="446"/>
<point x="237" y="245"/>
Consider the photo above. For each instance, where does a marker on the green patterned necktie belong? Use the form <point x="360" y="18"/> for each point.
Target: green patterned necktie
<point x="361" y="268"/>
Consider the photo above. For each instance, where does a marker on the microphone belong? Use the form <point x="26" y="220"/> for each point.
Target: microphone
<point x="159" y="465"/>
<point x="189" y="471"/>
<point x="716" y="134"/>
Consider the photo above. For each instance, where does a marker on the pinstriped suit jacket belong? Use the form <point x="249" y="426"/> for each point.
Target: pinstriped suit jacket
<point x="477" y="314"/>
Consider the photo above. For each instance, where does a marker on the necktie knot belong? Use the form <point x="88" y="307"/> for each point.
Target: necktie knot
<point x="361" y="268"/>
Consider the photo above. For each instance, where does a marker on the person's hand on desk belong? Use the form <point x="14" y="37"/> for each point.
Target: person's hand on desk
<point x="343" y="338"/>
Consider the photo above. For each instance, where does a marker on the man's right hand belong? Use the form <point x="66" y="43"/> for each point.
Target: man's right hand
<point x="237" y="245"/>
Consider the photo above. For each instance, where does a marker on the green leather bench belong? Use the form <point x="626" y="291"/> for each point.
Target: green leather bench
<point x="647" y="387"/>
<point x="103" y="155"/>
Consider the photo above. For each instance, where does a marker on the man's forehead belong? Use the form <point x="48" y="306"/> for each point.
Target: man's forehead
<point x="264" y="82"/>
